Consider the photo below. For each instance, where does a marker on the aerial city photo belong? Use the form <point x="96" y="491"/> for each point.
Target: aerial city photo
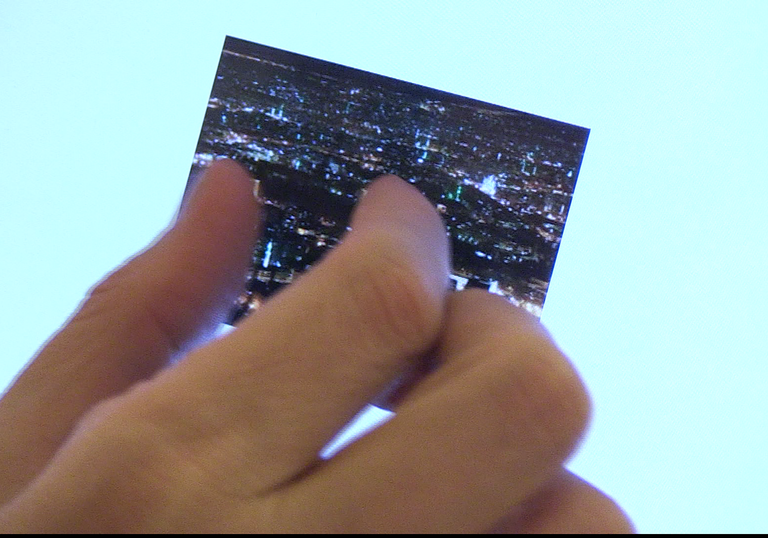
<point x="315" y="134"/>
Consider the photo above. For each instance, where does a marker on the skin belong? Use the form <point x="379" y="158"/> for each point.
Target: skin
<point x="100" y="434"/>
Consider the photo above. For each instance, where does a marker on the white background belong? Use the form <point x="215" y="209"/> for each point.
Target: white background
<point x="659" y="293"/>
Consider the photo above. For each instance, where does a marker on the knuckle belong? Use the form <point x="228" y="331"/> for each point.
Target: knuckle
<point x="141" y="465"/>
<point x="118" y="294"/>
<point x="533" y="391"/>
<point x="391" y="302"/>
<point x="108" y="290"/>
<point x="120" y="430"/>
<point x="136" y="303"/>
<point x="544" y="393"/>
<point x="127" y="448"/>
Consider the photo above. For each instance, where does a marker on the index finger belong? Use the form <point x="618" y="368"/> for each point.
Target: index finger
<point x="160" y="303"/>
<point x="301" y="366"/>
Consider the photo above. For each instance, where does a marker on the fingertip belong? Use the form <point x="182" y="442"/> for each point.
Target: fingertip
<point x="198" y="268"/>
<point x="389" y="200"/>
<point x="395" y="207"/>
<point x="225" y="186"/>
<point x="568" y="505"/>
<point x="230" y="169"/>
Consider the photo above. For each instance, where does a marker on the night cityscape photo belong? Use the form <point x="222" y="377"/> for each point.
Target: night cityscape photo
<point x="315" y="134"/>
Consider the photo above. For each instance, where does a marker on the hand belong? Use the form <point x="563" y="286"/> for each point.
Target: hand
<point x="102" y="434"/>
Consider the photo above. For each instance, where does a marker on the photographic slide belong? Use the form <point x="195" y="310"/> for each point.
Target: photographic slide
<point x="314" y="134"/>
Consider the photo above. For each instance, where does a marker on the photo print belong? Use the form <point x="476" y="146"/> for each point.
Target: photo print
<point x="314" y="134"/>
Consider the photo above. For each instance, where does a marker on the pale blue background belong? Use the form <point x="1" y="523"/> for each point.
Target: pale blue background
<point x="659" y="293"/>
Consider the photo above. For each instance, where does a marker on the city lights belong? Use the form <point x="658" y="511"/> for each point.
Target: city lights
<point x="314" y="134"/>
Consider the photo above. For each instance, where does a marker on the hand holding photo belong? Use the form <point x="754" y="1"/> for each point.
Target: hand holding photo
<point x="314" y="134"/>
